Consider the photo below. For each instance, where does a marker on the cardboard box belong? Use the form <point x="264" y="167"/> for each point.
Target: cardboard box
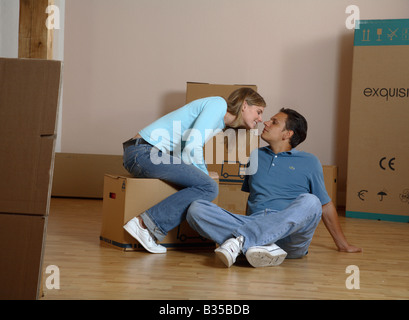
<point x="29" y="97"/>
<point x="232" y="199"/>
<point x="330" y="180"/>
<point x="21" y="248"/>
<point x="126" y="197"/>
<point x="198" y="90"/>
<point x="82" y="175"/>
<point x="228" y="152"/>
<point x="378" y="177"/>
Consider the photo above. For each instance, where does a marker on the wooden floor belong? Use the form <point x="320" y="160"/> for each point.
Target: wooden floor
<point x="89" y="271"/>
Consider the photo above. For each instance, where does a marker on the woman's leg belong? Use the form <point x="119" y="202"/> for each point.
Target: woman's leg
<point x="194" y="184"/>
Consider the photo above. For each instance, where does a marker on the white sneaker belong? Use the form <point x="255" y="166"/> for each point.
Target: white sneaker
<point x="229" y="250"/>
<point x="265" y="256"/>
<point x="134" y="228"/>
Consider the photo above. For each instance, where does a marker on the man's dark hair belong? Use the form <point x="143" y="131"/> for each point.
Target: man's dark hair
<point x="298" y="124"/>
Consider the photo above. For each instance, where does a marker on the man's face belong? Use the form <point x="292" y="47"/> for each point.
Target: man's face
<point x="274" y="129"/>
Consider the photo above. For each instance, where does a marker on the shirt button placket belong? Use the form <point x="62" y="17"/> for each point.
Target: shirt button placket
<point x="273" y="164"/>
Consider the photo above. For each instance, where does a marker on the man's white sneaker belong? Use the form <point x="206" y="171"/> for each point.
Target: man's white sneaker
<point x="229" y="250"/>
<point x="134" y="228"/>
<point x="265" y="256"/>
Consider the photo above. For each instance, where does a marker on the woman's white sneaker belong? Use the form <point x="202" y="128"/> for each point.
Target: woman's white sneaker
<point x="134" y="228"/>
<point x="265" y="256"/>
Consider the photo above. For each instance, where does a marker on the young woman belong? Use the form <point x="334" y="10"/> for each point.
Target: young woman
<point x="171" y="149"/>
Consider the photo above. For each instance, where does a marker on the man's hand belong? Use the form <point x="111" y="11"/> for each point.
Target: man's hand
<point x="350" y="249"/>
<point x="331" y="222"/>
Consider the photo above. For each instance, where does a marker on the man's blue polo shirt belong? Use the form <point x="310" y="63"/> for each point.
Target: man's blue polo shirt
<point x="281" y="178"/>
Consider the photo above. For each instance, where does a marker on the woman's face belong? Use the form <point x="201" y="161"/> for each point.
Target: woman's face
<point x="251" y="115"/>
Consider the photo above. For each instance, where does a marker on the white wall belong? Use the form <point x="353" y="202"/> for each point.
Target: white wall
<point x="9" y="27"/>
<point x="9" y="15"/>
<point x="126" y="62"/>
<point x="58" y="54"/>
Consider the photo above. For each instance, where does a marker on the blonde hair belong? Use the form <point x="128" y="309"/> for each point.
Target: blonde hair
<point x="236" y="100"/>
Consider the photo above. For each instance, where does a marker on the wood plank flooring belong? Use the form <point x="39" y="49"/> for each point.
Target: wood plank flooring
<point x="89" y="271"/>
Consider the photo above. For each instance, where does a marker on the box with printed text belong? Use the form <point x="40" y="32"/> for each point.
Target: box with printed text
<point x="378" y="177"/>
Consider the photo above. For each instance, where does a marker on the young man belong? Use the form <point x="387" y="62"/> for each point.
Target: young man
<point x="286" y="202"/>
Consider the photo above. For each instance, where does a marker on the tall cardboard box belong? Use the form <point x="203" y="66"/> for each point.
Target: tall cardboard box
<point x="29" y="95"/>
<point x="125" y="198"/>
<point x="29" y="99"/>
<point x="378" y="158"/>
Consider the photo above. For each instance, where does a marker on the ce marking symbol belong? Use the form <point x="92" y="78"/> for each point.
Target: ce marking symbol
<point x="391" y="163"/>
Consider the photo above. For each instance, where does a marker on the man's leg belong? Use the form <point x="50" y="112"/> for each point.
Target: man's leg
<point x="291" y="229"/>
<point x="296" y="245"/>
<point x="213" y="222"/>
<point x="294" y="226"/>
<point x="217" y="224"/>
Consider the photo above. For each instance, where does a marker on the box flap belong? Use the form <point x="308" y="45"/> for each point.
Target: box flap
<point x="118" y="176"/>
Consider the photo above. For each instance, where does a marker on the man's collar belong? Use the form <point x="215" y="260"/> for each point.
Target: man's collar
<point x="290" y="152"/>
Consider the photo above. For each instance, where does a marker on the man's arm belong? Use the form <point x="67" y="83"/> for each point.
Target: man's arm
<point x="331" y="222"/>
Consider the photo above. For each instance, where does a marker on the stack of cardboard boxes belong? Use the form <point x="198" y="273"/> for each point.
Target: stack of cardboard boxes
<point x="29" y="94"/>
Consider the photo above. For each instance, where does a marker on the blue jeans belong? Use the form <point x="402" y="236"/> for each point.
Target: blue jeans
<point x="291" y="229"/>
<point x="194" y="184"/>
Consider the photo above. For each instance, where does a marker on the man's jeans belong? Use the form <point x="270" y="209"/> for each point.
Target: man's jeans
<point x="291" y="229"/>
<point x="194" y="184"/>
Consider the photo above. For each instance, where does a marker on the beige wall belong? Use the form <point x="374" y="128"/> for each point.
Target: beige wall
<point x="127" y="63"/>
<point x="9" y="13"/>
